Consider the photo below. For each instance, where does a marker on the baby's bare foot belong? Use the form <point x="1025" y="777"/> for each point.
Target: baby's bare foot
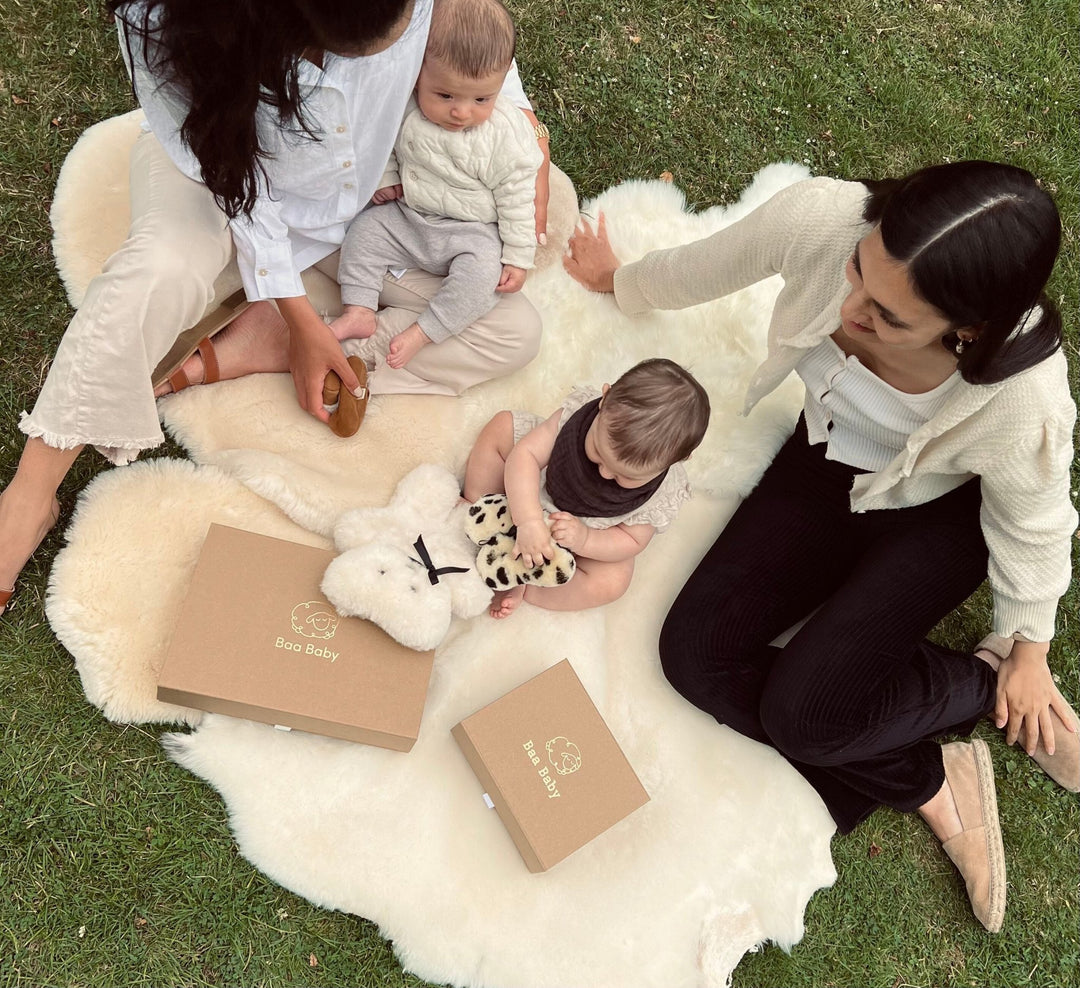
<point x="255" y="342"/>
<point x="406" y="345"/>
<point x="504" y="602"/>
<point x="356" y="322"/>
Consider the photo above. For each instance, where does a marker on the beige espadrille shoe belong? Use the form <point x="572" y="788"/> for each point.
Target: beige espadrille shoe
<point x="977" y="851"/>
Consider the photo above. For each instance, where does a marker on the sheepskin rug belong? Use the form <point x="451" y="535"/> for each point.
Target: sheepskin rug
<point x="733" y="843"/>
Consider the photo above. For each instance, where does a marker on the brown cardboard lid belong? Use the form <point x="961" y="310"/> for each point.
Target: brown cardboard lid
<point x="551" y="766"/>
<point x="257" y="638"/>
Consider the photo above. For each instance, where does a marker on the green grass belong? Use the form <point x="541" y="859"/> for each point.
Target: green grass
<point x="117" y="867"/>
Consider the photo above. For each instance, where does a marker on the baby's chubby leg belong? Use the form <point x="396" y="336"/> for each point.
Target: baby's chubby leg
<point x="595" y="583"/>
<point x="484" y="469"/>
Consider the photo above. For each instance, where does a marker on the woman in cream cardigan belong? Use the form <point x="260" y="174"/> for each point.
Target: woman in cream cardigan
<point x="933" y="450"/>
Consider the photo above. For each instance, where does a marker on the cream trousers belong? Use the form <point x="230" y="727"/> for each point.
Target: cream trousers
<point x="160" y="282"/>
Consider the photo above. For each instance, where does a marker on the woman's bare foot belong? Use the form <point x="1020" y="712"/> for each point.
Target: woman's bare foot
<point x="504" y="602"/>
<point x="255" y="342"/>
<point x="356" y="322"/>
<point x="24" y="522"/>
<point x="406" y="345"/>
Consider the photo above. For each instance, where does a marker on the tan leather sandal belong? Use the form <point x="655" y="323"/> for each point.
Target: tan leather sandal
<point x="345" y="419"/>
<point x="1063" y="766"/>
<point x="178" y="379"/>
<point x="977" y="851"/>
<point x="197" y="340"/>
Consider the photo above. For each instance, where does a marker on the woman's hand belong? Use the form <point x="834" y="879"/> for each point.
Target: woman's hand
<point x="313" y="353"/>
<point x="591" y="261"/>
<point x="1025" y="694"/>
<point x="533" y="543"/>
<point x="569" y="531"/>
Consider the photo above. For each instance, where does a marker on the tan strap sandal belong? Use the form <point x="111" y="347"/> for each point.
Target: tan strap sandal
<point x="179" y="380"/>
<point x="197" y="340"/>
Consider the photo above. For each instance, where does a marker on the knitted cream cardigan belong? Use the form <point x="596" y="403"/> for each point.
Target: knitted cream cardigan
<point x="1016" y="436"/>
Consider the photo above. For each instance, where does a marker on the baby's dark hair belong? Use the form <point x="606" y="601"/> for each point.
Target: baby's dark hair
<point x="473" y="37"/>
<point x="655" y="414"/>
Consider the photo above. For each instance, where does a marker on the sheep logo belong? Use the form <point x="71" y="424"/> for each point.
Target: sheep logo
<point x="564" y="755"/>
<point x="314" y="619"/>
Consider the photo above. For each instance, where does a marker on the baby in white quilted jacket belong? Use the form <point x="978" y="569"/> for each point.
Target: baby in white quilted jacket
<point x="457" y="198"/>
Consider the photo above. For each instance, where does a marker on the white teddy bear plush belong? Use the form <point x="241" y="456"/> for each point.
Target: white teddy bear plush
<point x="408" y="567"/>
<point x="412" y="566"/>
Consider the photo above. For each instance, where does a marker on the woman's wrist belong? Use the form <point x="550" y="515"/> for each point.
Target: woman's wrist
<point x="1026" y="653"/>
<point x="300" y="315"/>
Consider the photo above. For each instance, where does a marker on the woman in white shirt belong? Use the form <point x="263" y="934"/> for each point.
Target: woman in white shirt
<point x="267" y="129"/>
<point x="933" y="451"/>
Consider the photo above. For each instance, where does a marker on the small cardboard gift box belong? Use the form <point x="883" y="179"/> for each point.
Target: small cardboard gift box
<point x="550" y="766"/>
<point x="257" y="639"/>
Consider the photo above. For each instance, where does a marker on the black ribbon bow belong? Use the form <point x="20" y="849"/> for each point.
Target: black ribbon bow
<point x="425" y="559"/>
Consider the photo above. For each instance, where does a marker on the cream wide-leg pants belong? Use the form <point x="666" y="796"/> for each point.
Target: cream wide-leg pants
<point x="160" y="282"/>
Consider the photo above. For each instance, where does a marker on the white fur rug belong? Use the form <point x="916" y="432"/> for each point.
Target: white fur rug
<point x="733" y="842"/>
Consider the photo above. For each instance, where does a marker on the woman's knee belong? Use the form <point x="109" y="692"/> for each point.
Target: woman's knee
<point x="680" y="654"/>
<point x="799" y="730"/>
<point x="164" y="260"/>
<point x="519" y="327"/>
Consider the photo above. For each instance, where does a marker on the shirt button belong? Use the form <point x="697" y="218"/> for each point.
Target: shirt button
<point x="346" y="164"/>
<point x="341" y="128"/>
<point x="349" y="185"/>
<point x="411" y="146"/>
<point x="263" y="272"/>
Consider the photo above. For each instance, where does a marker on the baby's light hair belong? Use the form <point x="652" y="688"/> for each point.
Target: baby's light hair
<point x="473" y="37"/>
<point x="655" y="414"/>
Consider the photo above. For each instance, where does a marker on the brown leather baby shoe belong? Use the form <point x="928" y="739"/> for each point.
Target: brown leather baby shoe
<point x="1063" y="766"/>
<point x="977" y="851"/>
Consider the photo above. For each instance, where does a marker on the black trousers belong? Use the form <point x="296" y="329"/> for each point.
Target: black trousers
<point x="854" y="700"/>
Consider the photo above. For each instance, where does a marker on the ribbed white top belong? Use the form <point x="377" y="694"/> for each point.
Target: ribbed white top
<point x="864" y="420"/>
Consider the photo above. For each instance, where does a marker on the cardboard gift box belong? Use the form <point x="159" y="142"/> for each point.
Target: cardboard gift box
<point x="256" y="638"/>
<point x="550" y="766"/>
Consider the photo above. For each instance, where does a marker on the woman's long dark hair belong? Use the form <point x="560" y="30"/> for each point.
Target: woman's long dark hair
<point x="226" y="55"/>
<point x="980" y="240"/>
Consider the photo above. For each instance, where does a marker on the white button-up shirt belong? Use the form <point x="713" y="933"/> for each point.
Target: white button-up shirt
<point x="312" y="188"/>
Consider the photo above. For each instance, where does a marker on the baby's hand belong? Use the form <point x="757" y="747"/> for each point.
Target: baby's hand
<point x="570" y="532"/>
<point x="387" y="194"/>
<point x="512" y="279"/>
<point x="533" y="543"/>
